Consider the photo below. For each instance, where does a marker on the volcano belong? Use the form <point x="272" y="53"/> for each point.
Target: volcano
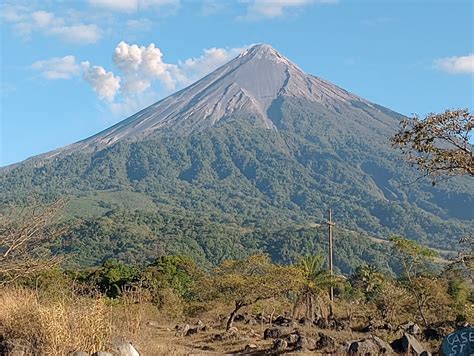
<point x="256" y="143"/>
<point x="253" y="85"/>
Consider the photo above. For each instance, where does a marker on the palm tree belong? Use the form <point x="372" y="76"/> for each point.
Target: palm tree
<point x="316" y="281"/>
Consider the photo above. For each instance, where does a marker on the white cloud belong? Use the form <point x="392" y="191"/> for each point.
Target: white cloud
<point x="141" y="25"/>
<point x="212" y="58"/>
<point x="116" y="5"/>
<point x="139" y="68"/>
<point x="141" y="65"/>
<point x="104" y="83"/>
<point x="77" y="33"/>
<point x="58" y="68"/>
<point x="43" y="18"/>
<point x="212" y="7"/>
<point x="276" y="8"/>
<point x="456" y="65"/>
<point x="132" y="5"/>
<point x="12" y="13"/>
<point x="26" y="21"/>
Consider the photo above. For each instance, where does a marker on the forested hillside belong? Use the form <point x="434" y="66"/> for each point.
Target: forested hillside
<point x="224" y="182"/>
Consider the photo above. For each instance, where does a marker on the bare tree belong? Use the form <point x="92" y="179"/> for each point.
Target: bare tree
<point x="24" y="237"/>
<point x="439" y="144"/>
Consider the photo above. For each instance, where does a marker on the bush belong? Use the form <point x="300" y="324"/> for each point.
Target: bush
<point x="53" y="327"/>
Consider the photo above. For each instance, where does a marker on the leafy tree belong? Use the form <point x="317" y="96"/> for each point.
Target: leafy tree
<point x="256" y="278"/>
<point x="414" y="258"/>
<point x="439" y="144"/>
<point x="369" y="279"/>
<point x="460" y="274"/>
<point x="114" y="276"/>
<point x="176" y="272"/>
<point x="316" y="282"/>
<point x="459" y="290"/>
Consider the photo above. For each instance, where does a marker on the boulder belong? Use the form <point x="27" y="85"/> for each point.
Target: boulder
<point x="292" y="338"/>
<point x="232" y="333"/>
<point x="321" y="323"/>
<point x="282" y="321"/>
<point x="324" y="342"/>
<point x="369" y="328"/>
<point x="411" y="328"/>
<point x="272" y="333"/>
<point x="218" y="337"/>
<point x="408" y="344"/>
<point x="232" y="330"/>
<point x="370" y="346"/>
<point x="182" y="330"/>
<point x="279" y="345"/>
<point x="338" y="324"/>
<point x="434" y="333"/>
<point x="14" y="347"/>
<point x="191" y="331"/>
<point x="239" y="318"/>
<point x="121" y="348"/>
<point x="102" y="353"/>
<point x="302" y="344"/>
<point x="79" y="353"/>
<point x="250" y="348"/>
<point x="305" y="321"/>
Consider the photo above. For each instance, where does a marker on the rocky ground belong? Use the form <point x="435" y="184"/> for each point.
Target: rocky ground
<point x="254" y="335"/>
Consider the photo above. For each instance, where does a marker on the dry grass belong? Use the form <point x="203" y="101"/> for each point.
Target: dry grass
<point x="53" y="327"/>
<point x="56" y="324"/>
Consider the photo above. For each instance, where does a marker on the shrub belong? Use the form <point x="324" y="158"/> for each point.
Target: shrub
<point x="53" y="327"/>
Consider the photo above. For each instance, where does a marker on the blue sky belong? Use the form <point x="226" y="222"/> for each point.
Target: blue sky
<point x="72" y="68"/>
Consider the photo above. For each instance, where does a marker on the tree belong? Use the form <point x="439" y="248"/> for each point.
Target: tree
<point x="439" y="144"/>
<point x="391" y="300"/>
<point x="177" y="273"/>
<point x="25" y="237"/>
<point x="316" y="281"/>
<point x="463" y="264"/>
<point x="114" y="276"/>
<point x="414" y="258"/>
<point x="256" y="278"/>
<point x="368" y="278"/>
<point x="460" y="274"/>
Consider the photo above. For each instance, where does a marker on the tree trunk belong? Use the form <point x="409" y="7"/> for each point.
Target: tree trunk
<point x="230" y="321"/>
<point x="420" y="303"/>
<point x="271" y="316"/>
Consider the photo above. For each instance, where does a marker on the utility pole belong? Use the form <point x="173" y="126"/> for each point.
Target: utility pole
<point x="331" y="224"/>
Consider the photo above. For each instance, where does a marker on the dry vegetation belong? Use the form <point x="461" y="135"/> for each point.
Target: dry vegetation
<point x="53" y="326"/>
<point x="51" y="311"/>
